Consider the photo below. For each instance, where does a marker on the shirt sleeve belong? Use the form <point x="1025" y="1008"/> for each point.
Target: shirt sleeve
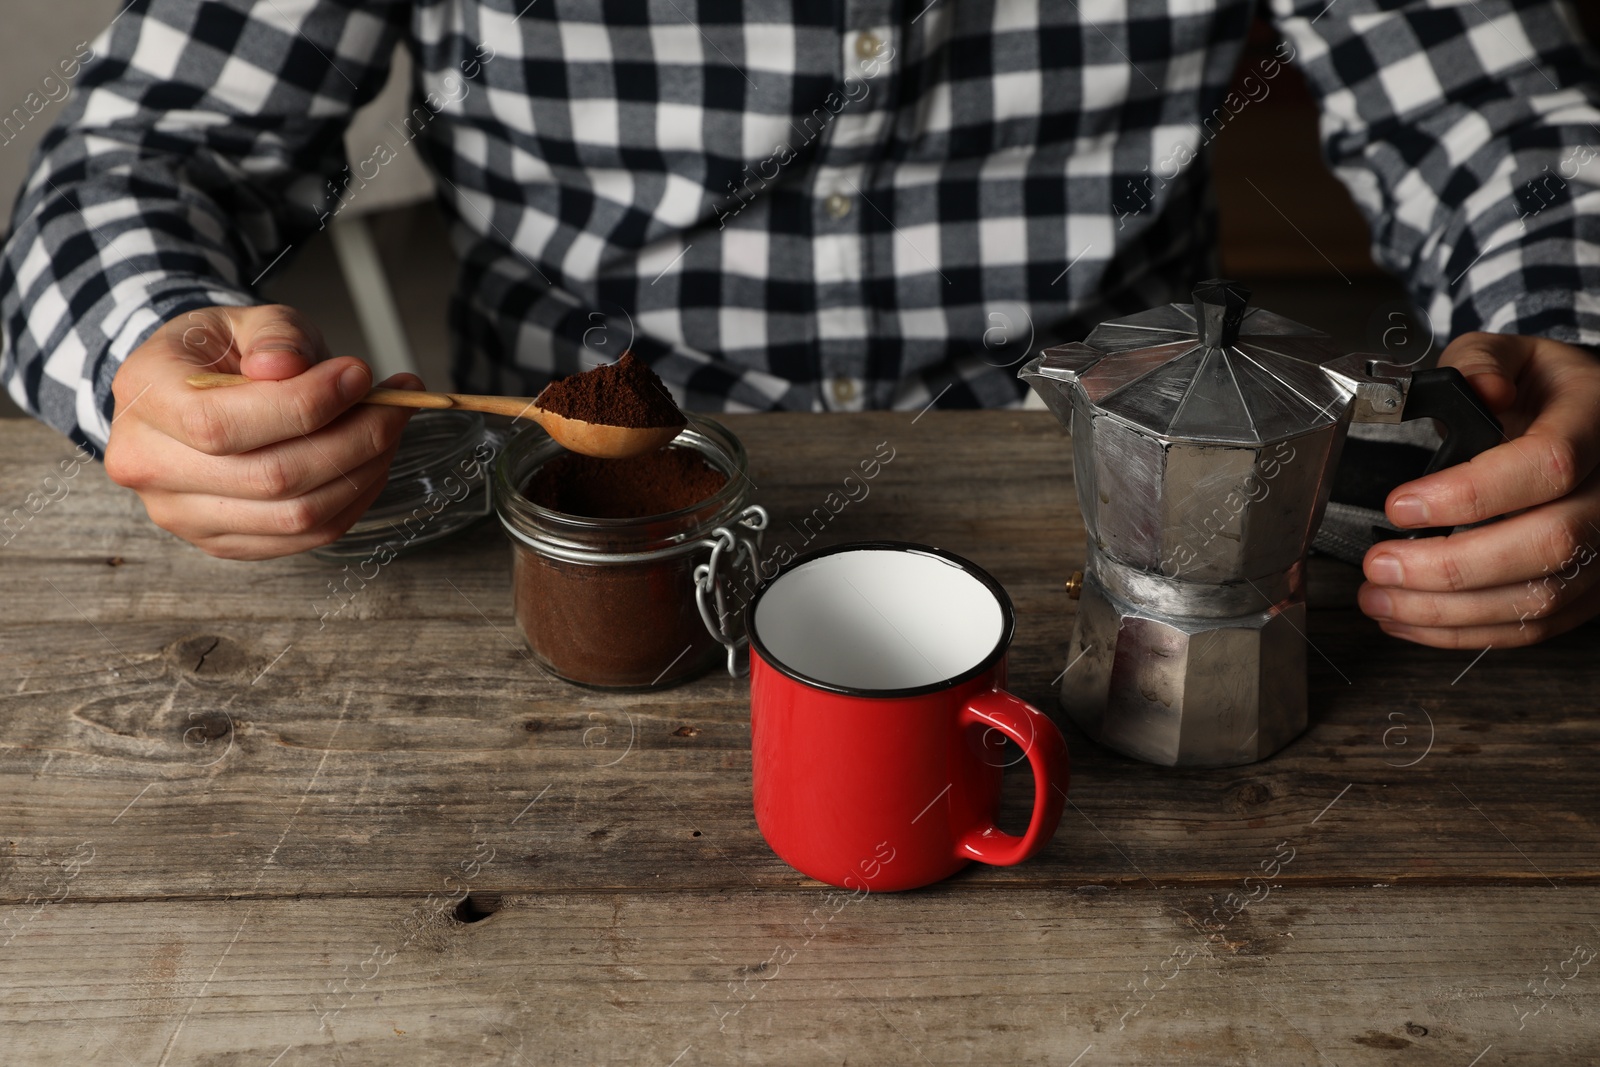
<point x="197" y="146"/>
<point x="1468" y="132"/>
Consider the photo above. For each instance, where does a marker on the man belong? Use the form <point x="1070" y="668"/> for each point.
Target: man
<point x="805" y="206"/>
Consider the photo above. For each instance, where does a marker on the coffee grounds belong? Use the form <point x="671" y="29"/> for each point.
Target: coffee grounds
<point x="614" y="625"/>
<point x="624" y="393"/>
<point x="619" y="624"/>
<point x="657" y="482"/>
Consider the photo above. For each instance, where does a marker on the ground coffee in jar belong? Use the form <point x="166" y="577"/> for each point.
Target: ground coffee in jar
<point x="656" y="483"/>
<point x="605" y="555"/>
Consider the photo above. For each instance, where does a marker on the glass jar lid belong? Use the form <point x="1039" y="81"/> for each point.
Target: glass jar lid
<point x="438" y="486"/>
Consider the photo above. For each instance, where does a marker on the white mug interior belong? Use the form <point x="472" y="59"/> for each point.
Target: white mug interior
<point x="879" y="619"/>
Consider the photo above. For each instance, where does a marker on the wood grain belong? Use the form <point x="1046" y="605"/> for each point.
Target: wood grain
<point x="215" y="796"/>
<point x="370" y="748"/>
<point x="214" y="698"/>
<point x="1306" y="976"/>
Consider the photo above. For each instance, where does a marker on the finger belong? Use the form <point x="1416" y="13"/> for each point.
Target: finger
<point x="1501" y="635"/>
<point x="142" y="458"/>
<point x="295" y="393"/>
<point x="1525" y="546"/>
<point x="252" y="547"/>
<point x="1515" y="602"/>
<point x="275" y="341"/>
<point x="237" y="418"/>
<point x="1559" y="450"/>
<point x="205" y="339"/>
<point x="200" y="340"/>
<point x="197" y="516"/>
<point x="1491" y="363"/>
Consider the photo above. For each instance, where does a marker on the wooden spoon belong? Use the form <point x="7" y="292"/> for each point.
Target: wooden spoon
<point x="575" y="435"/>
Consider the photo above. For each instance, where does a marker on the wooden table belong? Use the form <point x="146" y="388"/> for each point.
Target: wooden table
<point x="230" y="834"/>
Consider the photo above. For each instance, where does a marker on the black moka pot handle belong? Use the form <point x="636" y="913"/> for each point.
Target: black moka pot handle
<point x="1469" y="428"/>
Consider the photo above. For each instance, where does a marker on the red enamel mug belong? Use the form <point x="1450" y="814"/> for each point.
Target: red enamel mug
<point x="878" y="716"/>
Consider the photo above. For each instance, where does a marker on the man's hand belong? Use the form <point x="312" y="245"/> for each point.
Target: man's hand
<point x="1527" y="577"/>
<point x="276" y="466"/>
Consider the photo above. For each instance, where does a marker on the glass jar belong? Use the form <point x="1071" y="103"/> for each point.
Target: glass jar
<point x="438" y="485"/>
<point x="641" y="603"/>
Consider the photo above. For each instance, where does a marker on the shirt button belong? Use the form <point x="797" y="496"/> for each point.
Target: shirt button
<point x="844" y="390"/>
<point x="838" y="205"/>
<point x="868" y="45"/>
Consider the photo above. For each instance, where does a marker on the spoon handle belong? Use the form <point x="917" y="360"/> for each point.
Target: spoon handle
<point x="515" y="406"/>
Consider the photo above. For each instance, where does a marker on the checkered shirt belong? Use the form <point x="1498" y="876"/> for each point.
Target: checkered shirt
<point x="802" y="205"/>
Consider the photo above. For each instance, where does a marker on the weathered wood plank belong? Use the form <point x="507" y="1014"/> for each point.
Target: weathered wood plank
<point x="361" y="748"/>
<point x="184" y="708"/>
<point x="1303" y="976"/>
<point x="992" y="485"/>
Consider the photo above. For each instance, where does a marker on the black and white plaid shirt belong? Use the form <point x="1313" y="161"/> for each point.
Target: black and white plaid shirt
<point x="797" y="205"/>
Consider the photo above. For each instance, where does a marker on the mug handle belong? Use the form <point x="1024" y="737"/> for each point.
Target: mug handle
<point x="1046" y="751"/>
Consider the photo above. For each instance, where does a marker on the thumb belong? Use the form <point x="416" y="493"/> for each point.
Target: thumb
<point x="1491" y="363"/>
<point x="275" y="342"/>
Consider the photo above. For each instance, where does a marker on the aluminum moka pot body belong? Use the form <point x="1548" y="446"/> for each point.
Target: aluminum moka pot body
<point x="1204" y="444"/>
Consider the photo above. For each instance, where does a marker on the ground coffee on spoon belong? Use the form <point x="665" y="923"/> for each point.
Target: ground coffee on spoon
<point x="624" y="393"/>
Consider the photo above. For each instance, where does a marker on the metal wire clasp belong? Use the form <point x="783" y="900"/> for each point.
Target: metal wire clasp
<point x="710" y="583"/>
